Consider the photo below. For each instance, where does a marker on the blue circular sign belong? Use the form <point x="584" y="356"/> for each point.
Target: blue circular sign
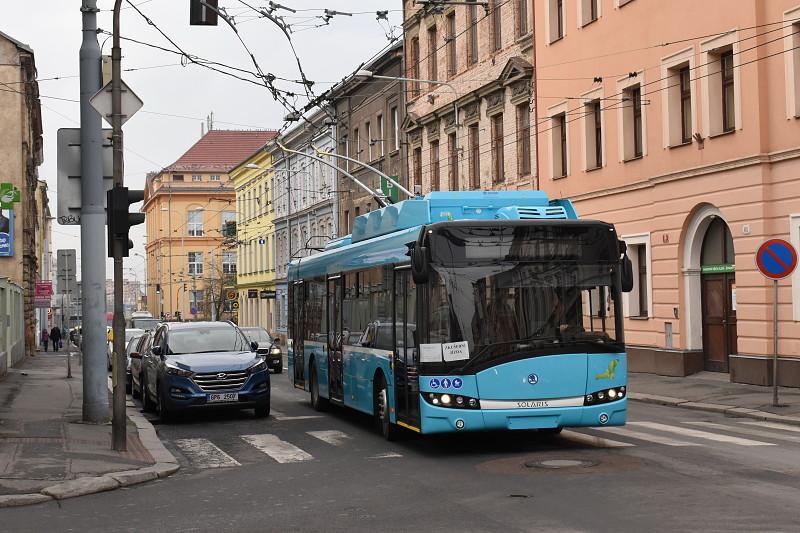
<point x="776" y="259"/>
<point x="533" y="379"/>
<point x="434" y="383"/>
<point x="457" y="383"/>
<point x="446" y="383"/>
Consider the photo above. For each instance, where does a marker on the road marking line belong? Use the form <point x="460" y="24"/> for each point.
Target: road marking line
<point x="591" y="440"/>
<point x="336" y="438"/>
<point x="203" y="453"/>
<point x="748" y="431"/>
<point x="771" y="425"/>
<point x="280" y="450"/>
<point x="624" y="432"/>
<point x="701" y="434"/>
<point x="283" y="417"/>
<point x="387" y="455"/>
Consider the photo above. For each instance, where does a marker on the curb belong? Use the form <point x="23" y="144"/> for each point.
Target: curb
<point x="732" y="410"/>
<point x="165" y="465"/>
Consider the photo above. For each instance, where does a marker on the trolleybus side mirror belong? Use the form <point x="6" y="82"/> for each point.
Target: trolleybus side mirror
<point x="419" y="264"/>
<point x="626" y="268"/>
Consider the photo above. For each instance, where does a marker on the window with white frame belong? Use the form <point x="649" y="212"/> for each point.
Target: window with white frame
<point x="195" y="260"/>
<point x="196" y="177"/>
<point x="395" y="130"/>
<point x="791" y="49"/>
<point x="559" y="146"/>
<point x="679" y="103"/>
<point x="720" y="82"/>
<point x="794" y="239"/>
<point x="229" y="262"/>
<point x="588" y="11"/>
<point x="555" y="20"/>
<point x="215" y="177"/>
<point x="194" y="222"/>
<point x="195" y="299"/>
<point x="228" y="220"/>
<point x="632" y="136"/>
<point x="380" y="140"/>
<point x="370" y="142"/>
<point x="593" y="128"/>
<point x="638" y="302"/>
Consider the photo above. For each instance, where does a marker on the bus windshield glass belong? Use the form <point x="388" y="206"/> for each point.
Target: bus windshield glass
<point x="506" y="290"/>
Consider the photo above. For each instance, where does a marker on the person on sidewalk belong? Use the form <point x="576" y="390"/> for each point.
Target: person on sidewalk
<point x="55" y="337"/>
<point x="44" y="339"/>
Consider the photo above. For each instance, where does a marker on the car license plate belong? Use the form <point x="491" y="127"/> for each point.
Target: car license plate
<point x="224" y="397"/>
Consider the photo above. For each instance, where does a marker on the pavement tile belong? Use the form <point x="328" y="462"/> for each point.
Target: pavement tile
<point x="80" y="487"/>
<point x="15" y="500"/>
<point x="133" y="477"/>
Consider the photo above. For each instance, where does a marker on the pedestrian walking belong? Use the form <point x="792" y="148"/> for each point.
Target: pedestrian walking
<point x="55" y="337"/>
<point x="44" y="339"/>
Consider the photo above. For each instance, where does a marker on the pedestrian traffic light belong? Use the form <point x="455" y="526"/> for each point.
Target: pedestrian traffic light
<point x="118" y="218"/>
<point x="158" y="288"/>
<point x="203" y="12"/>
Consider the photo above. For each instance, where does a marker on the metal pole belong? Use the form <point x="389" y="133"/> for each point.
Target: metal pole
<point x="375" y="170"/>
<point x="118" y="425"/>
<point x="93" y="219"/>
<point x="775" y="343"/>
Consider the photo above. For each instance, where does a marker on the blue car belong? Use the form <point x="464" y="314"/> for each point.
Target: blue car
<point x="196" y="365"/>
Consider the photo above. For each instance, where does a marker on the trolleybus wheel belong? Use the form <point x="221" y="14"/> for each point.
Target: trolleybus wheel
<point x="317" y="402"/>
<point x="387" y="429"/>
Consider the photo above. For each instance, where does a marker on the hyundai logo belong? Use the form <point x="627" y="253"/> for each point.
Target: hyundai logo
<point x="223" y="375"/>
<point x="533" y="379"/>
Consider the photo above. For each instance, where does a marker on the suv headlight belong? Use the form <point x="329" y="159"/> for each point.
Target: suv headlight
<point x="258" y="367"/>
<point x="275" y="351"/>
<point x="177" y="371"/>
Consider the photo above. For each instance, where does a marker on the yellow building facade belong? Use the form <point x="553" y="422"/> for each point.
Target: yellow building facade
<point x="255" y="239"/>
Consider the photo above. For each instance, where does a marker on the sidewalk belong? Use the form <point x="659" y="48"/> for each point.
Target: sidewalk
<point x="712" y="391"/>
<point x="47" y="452"/>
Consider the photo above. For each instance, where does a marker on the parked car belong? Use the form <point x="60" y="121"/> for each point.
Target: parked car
<point x="267" y="347"/>
<point x="133" y="342"/>
<point x="135" y="355"/>
<point x="129" y="333"/>
<point x="196" y="365"/>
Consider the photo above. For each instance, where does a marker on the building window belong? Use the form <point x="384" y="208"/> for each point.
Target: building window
<point x="433" y="67"/>
<point x="194" y="221"/>
<point x="214" y="177"/>
<point x="686" y="104"/>
<point x="638" y="300"/>
<point x="728" y="106"/>
<point x="229" y="262"/>
<point x="356" y="145"/>
<point x="195" y="298"/>
<point x="497" y="24"/>
<point x="380" y="139"/>
<point x="177" y="177"/>
<point x="228" y="219"/>
<point x="522" y="17"/>
<point x="498" y="161"/>
<point x="791" y="49"/>
<point x="556" y="22"/>
<point x="413" y="64"/>
<point x="559" y="145"/>
<point x="435" y="172"/>
<point x="452" y="155"/>
<point x="196" y="177"/>
<point x="370" y="142"/>
<point x="474" y="157"/>
<point x="395" y="130"/>
<point x="452" y="65"/>
<point x="594" y="135"/>
<point x="417" y="163"/>
<point x="346" y="222"/>
<point x="589" y="11"/>
<point x="195" y="263"/>
<point x="632" y="129"/>
<point x="641" y="270"/>
<point x="523" y="140"/>
<point x="472" y="34"/>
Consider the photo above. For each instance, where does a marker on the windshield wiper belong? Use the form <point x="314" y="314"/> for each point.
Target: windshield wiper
<point x="483" y="352"/>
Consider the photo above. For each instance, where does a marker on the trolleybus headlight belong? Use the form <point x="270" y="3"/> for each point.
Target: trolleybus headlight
<point x="459" y="400"/>
<point x="473" y="402"/>
<point x="604" y="396"/>
<point x="454" y="402"/>
<point x="612" y="393"/>
<point x="601" y="395"/>
<point x="446" y="399"/>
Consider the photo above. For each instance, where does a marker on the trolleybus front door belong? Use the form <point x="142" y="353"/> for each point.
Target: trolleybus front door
<point x="406" y="353"/>
<point x="335" y="339"/>
<point x="298" y="333"/>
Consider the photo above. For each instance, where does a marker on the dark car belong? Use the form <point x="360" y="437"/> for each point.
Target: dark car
<point x="196" y="365"/>
<point x="135" y="356"/>
<point x="267" y="347"/>
<point x="133" y="342"/>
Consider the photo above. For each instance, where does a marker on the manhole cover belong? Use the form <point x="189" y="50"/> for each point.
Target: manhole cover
<point x="560" y="463"/>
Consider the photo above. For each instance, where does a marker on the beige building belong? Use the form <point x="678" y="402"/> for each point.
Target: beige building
<point x="680" y="123"/>
<point x="482" y="59"/>
<point x="188" y="205"/>
<point x="20" y="157"/>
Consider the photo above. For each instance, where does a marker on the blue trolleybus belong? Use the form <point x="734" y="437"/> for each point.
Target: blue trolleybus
<point x="464" y="311"/>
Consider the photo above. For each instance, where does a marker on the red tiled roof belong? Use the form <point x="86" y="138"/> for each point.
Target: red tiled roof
<point x="221" y="150"/>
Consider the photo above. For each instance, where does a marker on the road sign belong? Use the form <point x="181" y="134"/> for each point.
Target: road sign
<point x="267" y="295"/>
<point x="776" y="259"/>
<point x="193" y="310"/>
<point x="234" y="306"/>
<point x="68" y="141"/>
<point x="9" y="195"/>
<point x="388" y="188"/>
<point x="101" y="101"/>
<point x="42" y="292"/>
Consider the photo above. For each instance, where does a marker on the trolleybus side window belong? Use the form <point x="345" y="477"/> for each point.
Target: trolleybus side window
<point x="316" y="311"/>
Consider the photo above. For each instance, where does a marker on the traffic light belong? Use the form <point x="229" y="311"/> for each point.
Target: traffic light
<point x="158" y="288"/>
<point x="203" y="12"/>
<point x="118" y="218"/>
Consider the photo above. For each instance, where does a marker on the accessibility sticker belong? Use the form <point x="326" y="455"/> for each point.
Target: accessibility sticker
<point x="434" y="383"/>
<point x="457" y="383"/>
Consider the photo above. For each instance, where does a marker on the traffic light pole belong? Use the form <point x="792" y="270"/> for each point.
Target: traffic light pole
<point x="118" y="420"/>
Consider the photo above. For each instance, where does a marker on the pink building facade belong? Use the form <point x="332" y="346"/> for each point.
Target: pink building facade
<point x="679" y="122"/>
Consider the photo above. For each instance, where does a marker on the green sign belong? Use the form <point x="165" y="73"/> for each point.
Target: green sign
<point x="389" y="189"/>
<point x="717" y="269"/>
<point x="9" y="195"/>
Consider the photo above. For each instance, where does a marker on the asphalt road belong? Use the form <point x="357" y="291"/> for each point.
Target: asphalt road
<point x="669" y="470"/>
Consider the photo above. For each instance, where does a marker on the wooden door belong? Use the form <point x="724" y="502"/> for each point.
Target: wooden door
<point x="719" y="321"/>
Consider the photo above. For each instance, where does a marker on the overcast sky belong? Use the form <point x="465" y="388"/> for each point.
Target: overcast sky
<point x="152" y="141"/>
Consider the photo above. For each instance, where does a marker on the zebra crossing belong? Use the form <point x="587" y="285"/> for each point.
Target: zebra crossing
<point x="201" y="453"/>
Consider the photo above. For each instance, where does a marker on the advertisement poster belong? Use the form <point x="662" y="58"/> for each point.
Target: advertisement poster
<point x="6" y="232"/>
